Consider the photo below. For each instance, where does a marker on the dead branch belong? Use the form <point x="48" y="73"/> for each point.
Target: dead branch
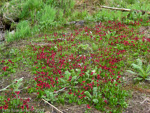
<point x="60" y="90"/>
<point x="10" y="19"/>
<point x="124" y="9"/>
<point x="114" y="8"/>
<point x="10" y="85"/>
<point x="52" y="106"/>
<point x="147" y="99"/>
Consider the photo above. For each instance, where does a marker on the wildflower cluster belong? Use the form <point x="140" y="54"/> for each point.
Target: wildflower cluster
<point x="86" y="77"/>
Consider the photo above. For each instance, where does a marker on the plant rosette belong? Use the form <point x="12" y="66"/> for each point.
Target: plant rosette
<point x="142" y="74"/>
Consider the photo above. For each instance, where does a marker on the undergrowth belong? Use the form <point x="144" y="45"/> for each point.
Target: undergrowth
<point x="42" y="15"/>
<point x="84" y="67"/>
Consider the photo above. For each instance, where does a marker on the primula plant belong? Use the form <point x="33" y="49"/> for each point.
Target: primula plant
<point x="140" y="71"/>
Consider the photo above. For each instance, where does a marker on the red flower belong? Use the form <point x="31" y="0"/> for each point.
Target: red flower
<point x="88" y="106"/>
<point x="10" y="61"/>
<point x="83" y="81"/>
<point x="5" y="107"/>
<point x="22" y="107"/>
<point x="32" y="108"/>
<point x="4" y="68"/>
<point x="8" y="99"/>
<point x="17" y="92"/>
<point x="105" y="101"/>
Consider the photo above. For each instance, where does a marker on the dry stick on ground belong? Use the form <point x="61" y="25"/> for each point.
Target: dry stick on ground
<point x="124" y="9"/>
<point x="147" y="99"/>
<point x="10" y="85"/>
<point x="52" y="106"/>
<point x="10" y="19"/>
<point x="60" y="90"/>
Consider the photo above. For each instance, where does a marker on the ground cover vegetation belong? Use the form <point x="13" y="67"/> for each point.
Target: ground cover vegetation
<point x="82" y="65"/>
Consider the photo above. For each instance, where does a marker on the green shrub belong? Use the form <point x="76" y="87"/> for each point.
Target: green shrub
<point x="30" y="6"/>
<point x="47" y="16"/>
<point x="23" y="29"/>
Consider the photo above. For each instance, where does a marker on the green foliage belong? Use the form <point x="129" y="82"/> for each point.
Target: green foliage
<point x="76" y="15"/>
<point x="84" y="48"/>
<point x="50" y="96"/>
<point x="41" y="15"/>
<point x="105" y="15"/>
<point x="61" y="74"/>
<point x="23" y="29"/>
<point x="143" y="74"/>
<point x="130" y="1"/>
<point x="47" y="16"/>
<point x="30" y="6"/>
<point x="63" y="4"/>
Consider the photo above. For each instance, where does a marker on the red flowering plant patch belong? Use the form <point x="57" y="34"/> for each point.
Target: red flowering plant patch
<point x="7" y="67"/>
<point x="12" y="102"/>
<point x="86" y="67"/>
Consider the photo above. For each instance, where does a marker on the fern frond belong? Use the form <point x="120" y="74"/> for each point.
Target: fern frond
<point x="148" y="69"/>
<point x="131" y="72"/>
<point x="135" y="66"/>
<point x="139" y="62"/>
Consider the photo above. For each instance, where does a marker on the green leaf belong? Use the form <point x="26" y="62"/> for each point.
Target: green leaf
<point x="148" y="78"/>
<point x="135" y="54"/>
<point x="78" y="70"/>
<point x="95" y="101"/>
<point x="139" y="69"/>
<point x="138" y="78"/>
<point x="87" y="73"/>
<point x="139" y="62"/>
<point x="88" y="94"/>
<point x="61" y="80"/>
<point x="72" y="71"/>
<point x="73" y="78"/>
<point x="135" y="66"/>
<point x="148" y="69"/>
<point x="67" y="74"/>
<point x="76" y="82"/>
<point x="95" y="91"/>
<point x="131" y="72"/>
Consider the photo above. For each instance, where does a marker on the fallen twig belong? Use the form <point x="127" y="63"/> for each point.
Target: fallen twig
<point x="10" y="84"/>
<point x="52" y="106"/>
<point x="60" y="90"/>
<point x="114" y="8"/>
<point x="147" y="99"/>
<point x="124" y="9"/>
<point x="10" y="19"/>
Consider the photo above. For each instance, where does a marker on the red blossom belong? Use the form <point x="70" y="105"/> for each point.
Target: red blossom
<point x="4" y="68"/>
<point x="88" y="106"/>
<point x="8" y="99"/>
<point x="105" y="101"/>
<point x="17" y="92"/>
